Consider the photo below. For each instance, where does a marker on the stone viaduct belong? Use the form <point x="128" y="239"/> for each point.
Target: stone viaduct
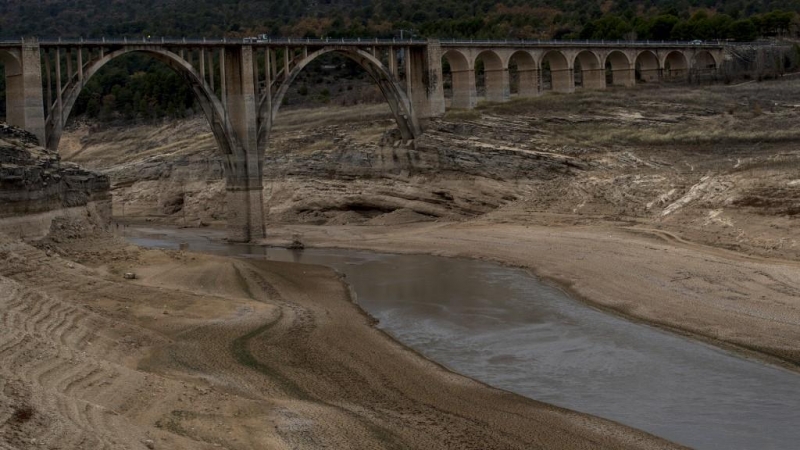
<point x="240" y="84"/>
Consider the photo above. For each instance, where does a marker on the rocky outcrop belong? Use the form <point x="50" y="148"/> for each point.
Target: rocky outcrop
<point x="455" y="149"/>
<point x="34" y="180"/>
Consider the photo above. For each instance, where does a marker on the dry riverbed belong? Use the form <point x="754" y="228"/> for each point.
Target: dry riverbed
<point x="210" y="352"/>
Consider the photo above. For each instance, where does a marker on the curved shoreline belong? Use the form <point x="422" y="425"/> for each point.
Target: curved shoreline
<point x="430" y="243"/>
<point x="160" y="351"/>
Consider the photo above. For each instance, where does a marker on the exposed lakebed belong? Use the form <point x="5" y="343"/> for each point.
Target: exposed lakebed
<point x="504" y="327"/>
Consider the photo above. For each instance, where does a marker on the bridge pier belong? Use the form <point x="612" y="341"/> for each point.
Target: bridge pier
<point x="244" y="203"/>
<point x="623" y="77"/>
<point x="427" y="91"/>
<point x="498" y="85"/>
<point x="562" y="80"/>
<point x="594" y="79"/>
<point x="529" y="83"/>
<point x="245" y="200"/>
<point x="24" y="97"/>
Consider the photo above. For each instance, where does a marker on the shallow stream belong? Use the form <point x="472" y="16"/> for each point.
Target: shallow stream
<point x="504" y="327"/>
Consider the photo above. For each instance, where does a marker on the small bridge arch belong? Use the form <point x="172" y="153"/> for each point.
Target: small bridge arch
<point x="462" y="79"/>
<point x="560" y="71"/>
<point x="648" y="68"/>
<point x="495" y="75"/>
<point x="619" y="69"/>
<point x="592" y="73"/>
<point x="675" y="65"/>
<point x="527" y="73"/>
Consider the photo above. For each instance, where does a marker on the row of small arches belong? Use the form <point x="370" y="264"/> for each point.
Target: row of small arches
<point x="554" y="70"/>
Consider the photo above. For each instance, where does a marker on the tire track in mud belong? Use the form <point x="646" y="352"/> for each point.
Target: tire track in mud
<point x="299" y="321"/>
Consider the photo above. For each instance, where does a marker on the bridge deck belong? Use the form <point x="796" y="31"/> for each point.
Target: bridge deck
<point x="282" y="42"/>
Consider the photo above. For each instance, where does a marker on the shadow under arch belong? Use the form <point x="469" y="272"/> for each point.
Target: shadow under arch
<point x="675" y="65"/>
<point x="398" y="101"/>
<point x="495" y="76"/>
<point x="462" y="79"/>
<point x="647" y="66"/>
<point x="619" y="69"/>
<point x="525" y="76"/>
<point x="14" y="88"/>
<point x="555" y="66"/>
<point x="704" y="60"/>
<point x="592" y="74"/>
<point x="212" y="107"/>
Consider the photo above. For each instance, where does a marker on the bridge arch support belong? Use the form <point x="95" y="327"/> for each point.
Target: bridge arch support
<point x="230" y="120"/>
<point x="399" y="102"/>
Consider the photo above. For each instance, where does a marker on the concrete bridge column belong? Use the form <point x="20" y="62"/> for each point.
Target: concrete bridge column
<point x="245" y="200"/>
<point x="498" y="85"/>
<point x="427" y="92"/>
<point x="624" y="77"/>
<point x="464" y="92"/>
<point x="528" y="83"/>
<point x="24" y="96"/>
<point x="650" y="75"/>
<point x="594" y="78"/>
<point x="563" y="80"/>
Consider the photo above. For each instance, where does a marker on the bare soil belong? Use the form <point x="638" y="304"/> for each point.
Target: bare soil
<point x="203" y="352"/>
<point x="673" y="205"/>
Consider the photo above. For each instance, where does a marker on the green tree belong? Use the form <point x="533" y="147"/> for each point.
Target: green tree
<point x="743" y="31"/>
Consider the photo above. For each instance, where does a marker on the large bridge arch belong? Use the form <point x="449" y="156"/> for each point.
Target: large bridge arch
<point x="212" y="107"/>
<point x="399" y="102"/>
<point x="648" y="68"/>
<point x="555" y="66"/>
<point x="592" y="74"/>
<point x="495" y="76"/>
<point x="526" y="74"/>
<point x="229" y="122"/>
<point x="462" y="75"/>
<point x="675" y="65"/>
<point x="620" y="69"/>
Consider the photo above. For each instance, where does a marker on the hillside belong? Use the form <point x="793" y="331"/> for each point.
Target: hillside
<point x="383" y="18"/>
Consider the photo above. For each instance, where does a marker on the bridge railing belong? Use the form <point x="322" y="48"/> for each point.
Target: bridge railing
<point x="224" y="41"/>
<point x="369" y="41"/>
<point x="581" y="43"/>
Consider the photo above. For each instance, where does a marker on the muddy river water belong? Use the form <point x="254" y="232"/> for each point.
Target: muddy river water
<point x="506" y="328"/>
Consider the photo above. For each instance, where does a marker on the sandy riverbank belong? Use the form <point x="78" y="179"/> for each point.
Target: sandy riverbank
<point x="741" y="302"/>
<point x="210" y="352"/>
